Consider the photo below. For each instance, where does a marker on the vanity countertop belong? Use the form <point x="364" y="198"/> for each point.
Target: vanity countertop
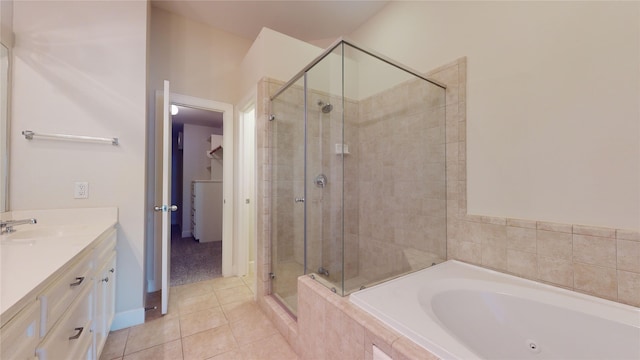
<point x="34" y="253"/>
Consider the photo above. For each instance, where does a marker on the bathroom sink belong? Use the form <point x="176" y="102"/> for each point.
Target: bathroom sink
<point x="31" y="235"/>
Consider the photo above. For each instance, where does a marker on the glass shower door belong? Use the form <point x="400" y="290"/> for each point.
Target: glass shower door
<point x="287" y="194"/>
<point x="326" y="149"/>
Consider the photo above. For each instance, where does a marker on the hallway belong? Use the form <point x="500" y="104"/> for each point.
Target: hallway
<point x="193" y="261"/>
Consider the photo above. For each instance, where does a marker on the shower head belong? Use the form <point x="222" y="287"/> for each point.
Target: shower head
<point x="325" y="108"/>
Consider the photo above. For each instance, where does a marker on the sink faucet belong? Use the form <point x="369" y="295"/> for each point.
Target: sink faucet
<point x="7" y="225"/>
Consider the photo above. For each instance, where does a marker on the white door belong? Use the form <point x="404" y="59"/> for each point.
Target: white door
<point x="163" y="172"/>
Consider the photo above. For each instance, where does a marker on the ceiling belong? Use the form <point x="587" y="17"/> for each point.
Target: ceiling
<point x="195" y="116"/>
<point x="306" y="20"/>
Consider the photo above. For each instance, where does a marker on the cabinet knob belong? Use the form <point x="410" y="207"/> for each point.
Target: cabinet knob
<point x="106" y="279"/>
<point x="112" y="270"/>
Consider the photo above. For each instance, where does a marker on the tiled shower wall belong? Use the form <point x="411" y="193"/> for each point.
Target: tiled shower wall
<point x="390" y="186"/>
<point x="401" y="187"/>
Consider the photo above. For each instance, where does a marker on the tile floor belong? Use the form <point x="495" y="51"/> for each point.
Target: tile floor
<point x="214" y="319"/>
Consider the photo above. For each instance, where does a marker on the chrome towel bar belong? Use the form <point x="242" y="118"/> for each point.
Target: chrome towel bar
<point x="29" y="135"/>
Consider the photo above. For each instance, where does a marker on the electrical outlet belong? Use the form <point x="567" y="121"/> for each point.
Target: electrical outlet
<point x="81" y="190"/>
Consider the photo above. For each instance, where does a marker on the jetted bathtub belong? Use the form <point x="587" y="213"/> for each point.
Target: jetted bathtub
<point x="460" y="311"/>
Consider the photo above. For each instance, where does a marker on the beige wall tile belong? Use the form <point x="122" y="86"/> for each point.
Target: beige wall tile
<point x="521" y="239"/>
<point x="550" y="226"/>
<point x="555" y="271"/>
<point x="628" y="235"/>
<point x="405" y="349"/>
<point x="380" y="336"/>
<point x="594" y="231"/>
<point x="521" y="223"/>
<point x="596" y="280"/>
<point x="523" y="264"/>
<point x="555" y="244"/>
<point x="469" y="252"/>
<point x="629" y="288"/>
<point x="477" y="231"/>
<point x="594" y="250"/>
<point x="311" y="310"/>
<point x="494" y="253"/>
<point x="628" y="255"/>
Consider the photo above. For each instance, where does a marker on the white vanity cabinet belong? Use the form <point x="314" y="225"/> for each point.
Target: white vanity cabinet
<point x="77" y="310"/>
<point x="70" y="313"/>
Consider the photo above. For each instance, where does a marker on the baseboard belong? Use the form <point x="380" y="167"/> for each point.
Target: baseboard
<point x="127" y="319"/>
<point x="186" y="234"/>
<point x="151" y="286"/>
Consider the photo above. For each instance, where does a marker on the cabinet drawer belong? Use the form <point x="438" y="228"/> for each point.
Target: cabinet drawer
<point x="56" y="298"/>
<point x="68" y="339"/>
<point x="19" y="337"/>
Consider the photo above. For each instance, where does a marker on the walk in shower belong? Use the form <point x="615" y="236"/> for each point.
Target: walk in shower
<point x="358" y="187"/>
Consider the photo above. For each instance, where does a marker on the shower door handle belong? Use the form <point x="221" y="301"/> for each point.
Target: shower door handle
<point x="299" y="200"/>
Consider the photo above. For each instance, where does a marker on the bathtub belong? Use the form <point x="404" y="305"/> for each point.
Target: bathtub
<point x="460" y="311"/>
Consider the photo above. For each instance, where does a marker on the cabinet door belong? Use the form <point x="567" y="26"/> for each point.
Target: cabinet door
<point x="19" y="337"/>
<point x="105" y="301"/>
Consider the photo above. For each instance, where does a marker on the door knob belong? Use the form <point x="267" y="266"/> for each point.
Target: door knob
<point x="165" y="208"/>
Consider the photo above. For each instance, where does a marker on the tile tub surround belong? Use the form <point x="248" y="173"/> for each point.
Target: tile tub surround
<point x="337" y="329"/>
<point x="599" y="261"/>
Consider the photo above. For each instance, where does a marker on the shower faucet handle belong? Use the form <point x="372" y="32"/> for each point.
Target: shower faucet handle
<point x="299" y="200"/>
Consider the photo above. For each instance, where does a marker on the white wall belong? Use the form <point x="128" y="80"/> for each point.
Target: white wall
<point x="198" y="59"/>
<point x="274" y="55"/>
<point x="552" y="101"/>
<point x="80" y="68"/>
<point x="194" y="166"/>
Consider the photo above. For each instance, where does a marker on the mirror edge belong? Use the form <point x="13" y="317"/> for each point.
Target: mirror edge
<point x="6" y="40"/>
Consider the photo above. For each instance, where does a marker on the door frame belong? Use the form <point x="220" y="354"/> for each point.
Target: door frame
<point x="247" y="189"/>
<point x="227" y="110"/>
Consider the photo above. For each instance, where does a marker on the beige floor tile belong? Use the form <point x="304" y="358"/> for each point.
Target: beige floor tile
<point x="208" y="343"/>
<point x="202" y="320"/>
<point x="274" y="347"/>
<point x="114" y="346"/>
<point x="252" y="329"/>
<point x="167" y="351"/>
<point x="194" y="289"/>
<point x="240" y="310"/>
<point x="153" y="333"/>
<point x="234" y="294"/>
<point x="197" y="303"/>
<point x="229" y="355"/>
<point x="225" y="282"/>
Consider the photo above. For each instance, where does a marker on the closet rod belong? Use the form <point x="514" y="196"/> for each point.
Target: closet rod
<point x="29" y="135"/>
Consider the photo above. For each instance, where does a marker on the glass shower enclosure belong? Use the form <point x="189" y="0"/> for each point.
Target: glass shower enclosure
<point x="358" y="181"/>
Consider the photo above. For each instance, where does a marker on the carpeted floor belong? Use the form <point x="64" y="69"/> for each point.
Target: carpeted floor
<point x="193" y="261"/>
